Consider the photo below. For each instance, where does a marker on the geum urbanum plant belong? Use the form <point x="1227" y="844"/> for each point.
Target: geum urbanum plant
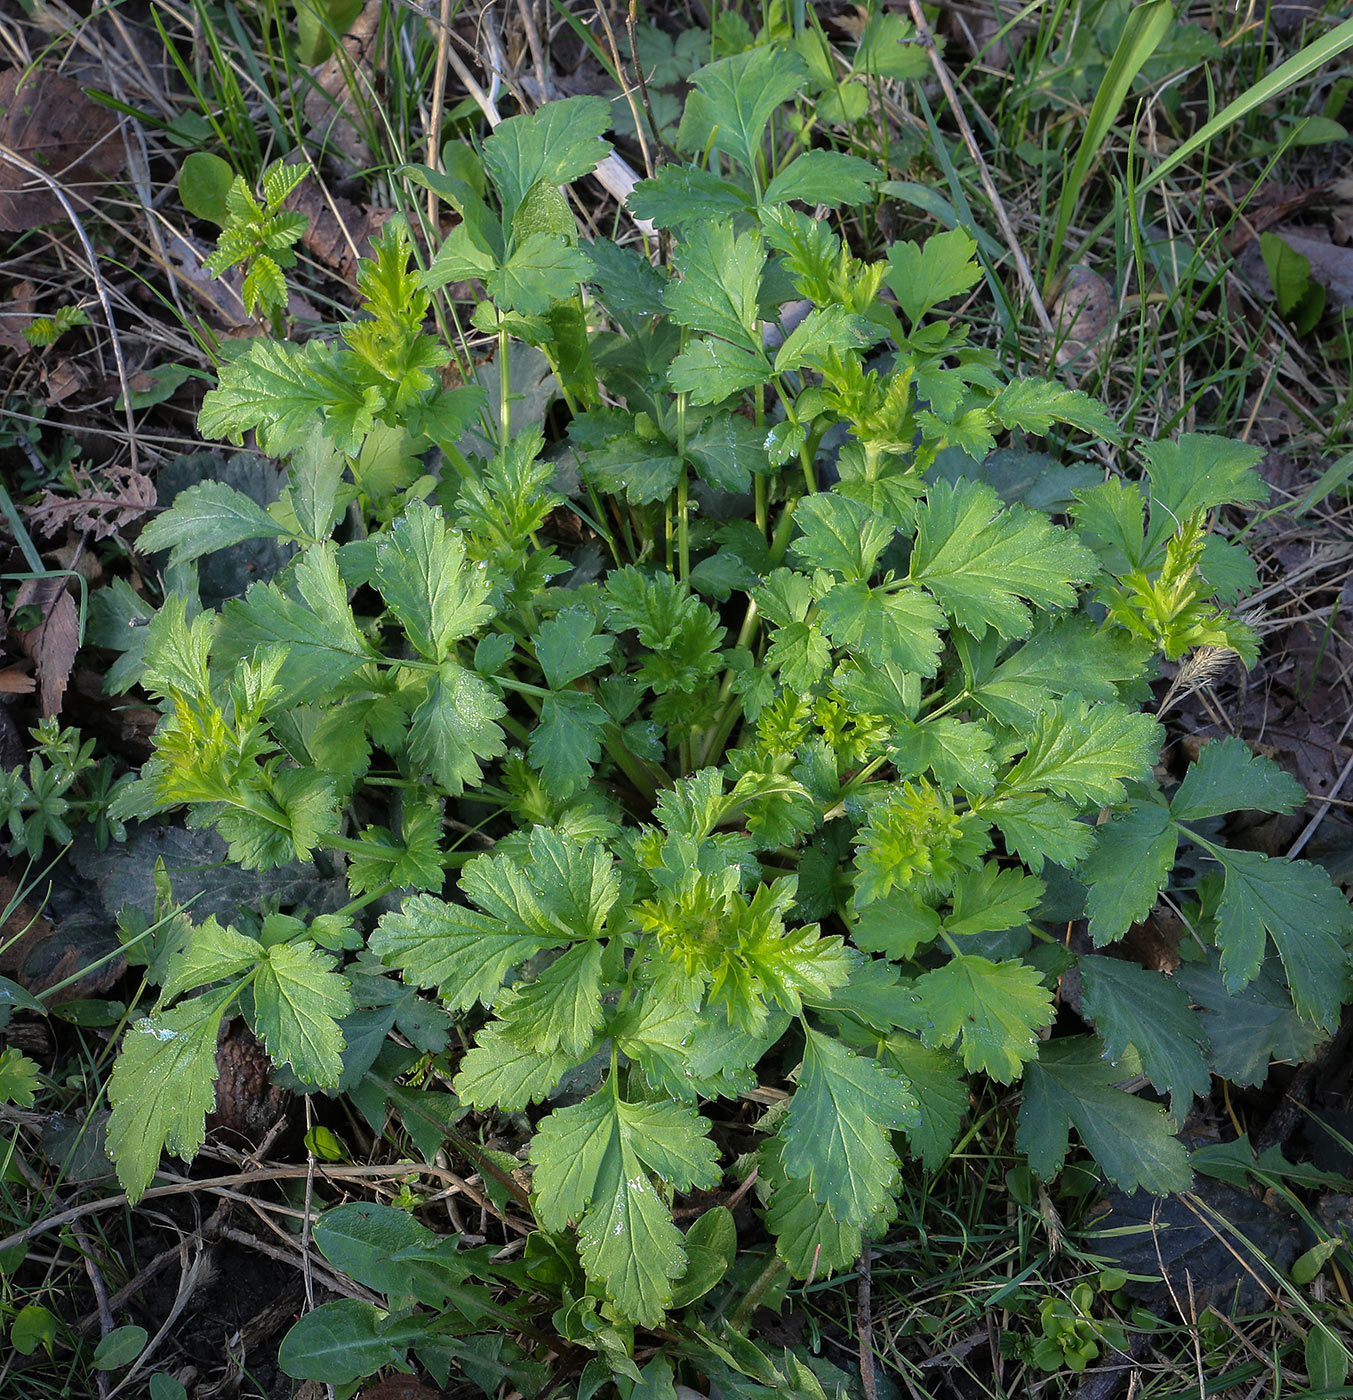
<point x="794" y="785"/>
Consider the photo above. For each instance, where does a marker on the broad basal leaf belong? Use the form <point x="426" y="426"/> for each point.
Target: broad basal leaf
<point x="941" y="1088"/>
<point x="678" y="196"/>
<point x="1198" y="472"/>
<point x="820" y="335"/>
<point x="898" y="627"/>
<point x="990" y="1010"/>
<point x="1038" y="828"/>
<point x="1036" y="404"/>
<point x="712" y="370"/>
<point x="592" y="1163"/>
<point x="163" y="1086"/>
<point x="989" y="899"/>
<point x="823" y="177"/>
<point x="1310" y="922"/>
<point x="836" y="1135"/>
<point x="839" y="535"/>
<point x="981" y="560"/>
<point x="808" y="1236"/>
<point x="428" y="583"/>
<point x="1227" y="776"/>
<point x="568" y="646"/>
<point x="298" y="1000"/>
<point x="716" y="293"/>
<point x="210" y="954"/>
<point x="1070" y="1084"/>
<point x="1133" y="856"/>
<point x="504" y="1077"/>
<point x="1149" y="1011"/>
<point x="545" y="268"/>
<point x="205" y="518"/>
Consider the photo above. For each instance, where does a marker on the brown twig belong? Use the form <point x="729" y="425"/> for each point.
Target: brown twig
<point x="868" y="1381"/>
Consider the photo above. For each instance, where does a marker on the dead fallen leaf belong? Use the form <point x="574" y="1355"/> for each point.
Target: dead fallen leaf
<point x="398" y="1388"/>
<point x="47" y="120"/>
<point x="54" y="642"/>
<point x="108" y="502"/>
<point x="330" y="105"/>
<point x="63" y="380"/>
<point x="37" y="955"/>
<point x="1268" y="205"/>
<point x="338" y="232"/>
<point x="19" y="312"/>
<point x="16" y="682"/>
<point x="1084" y="311"/>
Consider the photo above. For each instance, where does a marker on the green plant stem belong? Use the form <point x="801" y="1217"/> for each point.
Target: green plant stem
<point x="504" y="392"/>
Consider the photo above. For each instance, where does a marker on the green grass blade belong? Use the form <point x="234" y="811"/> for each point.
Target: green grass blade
<point x="1146" y="26"/>
<point x="1313" y="56"/>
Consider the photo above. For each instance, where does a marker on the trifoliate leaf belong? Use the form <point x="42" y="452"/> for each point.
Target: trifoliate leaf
<point x="1199" y="472"/>
<point x="1039" y="828"/>
<point x="211" y="954"/>
<point x="1151" y="1013"/>
<point x="726" y="451"/>
<point x="163" y="1087"/>
<point x="735" y="99"/>
<point x="278" y="390"/>
<point x="836" y="1134"/>
<point x="1036" y="404"/>
<point x="990" y="1009"/>
<point x="1085" y="752"/>
<point x="679" y="196"/>
<point x="18" y="1078"/>
<point x="1249" y="1029"/>
<point x="1229" y="777"/>
<point x="980" y="559"/>
<point x="989" y="899"/>
<point x="428" y="583"/>
<point x="941" y="1088"/>
<point x="713" y="370"/>
<point x="889" y="626"/>
<point x="1062" y="655"/>
<point x="592" y="1161"/>
<point x="555" y="145"/>
<point x="561" y="1009"/>
<point x="839" y="535"/>
<point x="566" y="741"/>
<point x="316" y="630"/>
<point x="720" y="275"/>
<point x="922" y="276"/>
<point x="896" y="925"/>
<point x="1132" y="859"/>
<point x="503" y="1076"/>
<point x="545" y="268"/>
<point x="957" y="752"/>
<point x="206" y="517"/>
<point x="823" y="333"/>
<point x="568" y="646"/>
<point x="1070" y="1083"/>
<point x="465" y="953"/>
<point x="1310" y="922"/>
<point x="823" y="177"/>
<point x="456" y="727"/>
<point x="298" y="1000"/>
<point x="808" y="1236"/>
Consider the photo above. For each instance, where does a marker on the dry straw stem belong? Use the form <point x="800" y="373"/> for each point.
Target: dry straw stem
<point x="970" y="141"/>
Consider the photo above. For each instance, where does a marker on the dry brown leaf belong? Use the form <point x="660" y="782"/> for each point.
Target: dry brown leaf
<point x="329" y="104"/>
<point x="54" y="642"/>
<point x="106" y="504"/>
<point x="1268" y="205"/>
<point x="63" y="380"/>
<point x="398" y="1388"/>
<point x="335" y="226"/>
<point x="16" y="682"/>
<point x="1083" y="312"/>
<point x="48" y="121"/>
<point x="37" y="954"/>
<point x="19" y="312"/>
